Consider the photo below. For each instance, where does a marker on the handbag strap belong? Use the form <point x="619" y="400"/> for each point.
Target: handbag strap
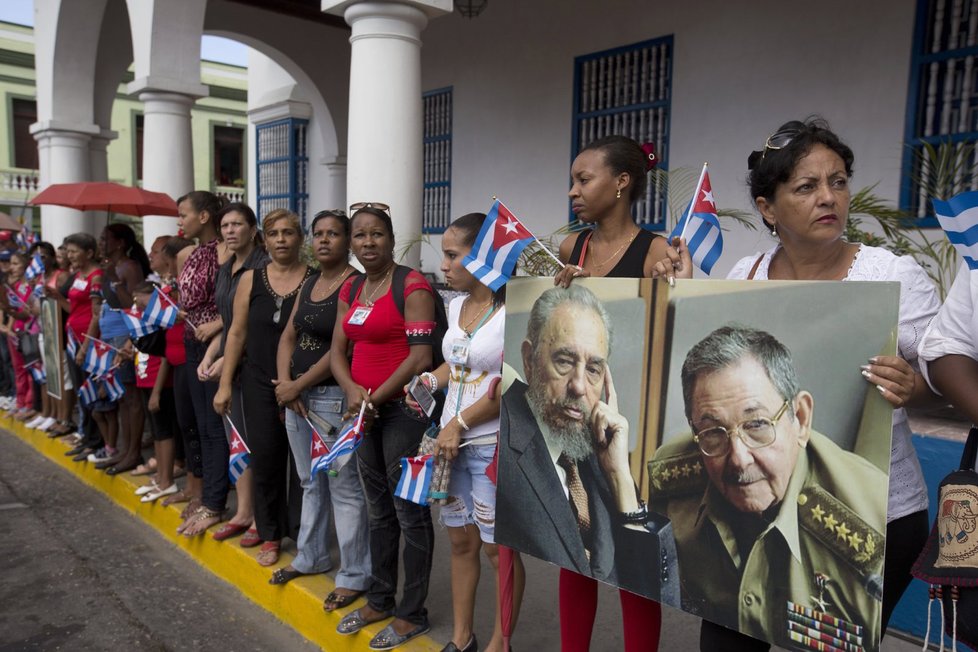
<point x="970" y="450"/>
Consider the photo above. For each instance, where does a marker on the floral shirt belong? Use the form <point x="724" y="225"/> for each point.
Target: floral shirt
<point x="196" y="285"/>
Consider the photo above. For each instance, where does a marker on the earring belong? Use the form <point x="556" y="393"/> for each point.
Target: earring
<point x="774" y="230"/>
<point x="618" y="195"/>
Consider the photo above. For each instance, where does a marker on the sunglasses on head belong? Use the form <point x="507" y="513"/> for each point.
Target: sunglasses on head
<point x="360" y="205"/>
<point x="780" y="140"/>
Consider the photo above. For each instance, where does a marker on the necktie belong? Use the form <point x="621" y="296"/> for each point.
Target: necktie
<point x="577" y="497"/>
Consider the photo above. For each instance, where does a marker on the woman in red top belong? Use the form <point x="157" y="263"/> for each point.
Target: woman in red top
<point x="388" y="350"/>
<point x="17" y="298"/>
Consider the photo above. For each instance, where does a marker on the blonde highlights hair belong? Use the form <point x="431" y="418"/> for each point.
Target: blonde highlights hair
<point x="281" y="214"/>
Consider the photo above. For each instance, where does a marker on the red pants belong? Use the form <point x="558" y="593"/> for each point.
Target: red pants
<point x="641" y="617"/>
<point x="22" y="378"/>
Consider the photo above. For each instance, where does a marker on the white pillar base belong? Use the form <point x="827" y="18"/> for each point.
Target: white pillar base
<point x="64" y="158"/>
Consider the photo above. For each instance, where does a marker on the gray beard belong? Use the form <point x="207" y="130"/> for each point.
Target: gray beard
<point x="573" y="437"/>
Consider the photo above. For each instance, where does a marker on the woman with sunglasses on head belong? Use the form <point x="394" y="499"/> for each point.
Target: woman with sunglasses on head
<point x="239" y="231"/>
<point x="607" y="177"/>
<point x="313" y="399"/>
<point x="263" y="302"/>
<point x="389" y="348"/>
<point x="800" y="184"/>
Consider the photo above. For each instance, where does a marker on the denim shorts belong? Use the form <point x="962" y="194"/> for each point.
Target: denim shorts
<point x="471" y="494"/>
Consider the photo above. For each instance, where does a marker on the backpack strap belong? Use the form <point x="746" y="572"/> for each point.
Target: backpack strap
<point x="397" y="286"/>
<point x="355" y="286"/>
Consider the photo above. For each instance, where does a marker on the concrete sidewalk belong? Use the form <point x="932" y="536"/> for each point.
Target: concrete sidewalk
<point x="298" y="604"/>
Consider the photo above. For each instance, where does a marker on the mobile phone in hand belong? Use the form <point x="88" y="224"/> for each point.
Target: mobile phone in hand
<point x="420" y="393"/>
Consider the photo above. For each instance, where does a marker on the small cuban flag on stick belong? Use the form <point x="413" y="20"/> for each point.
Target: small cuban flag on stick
<point x="35" y="269"/>
<point x="114" y="389"/>
<point x="71" y="342"/>
<point x="317" y="450"/>
<point x="958" y="217"/>
<point x="87" y="392"/>
<point x="99" y="358"/>
<point x="498" y="246"/>
<point x="37" y="372"/>
<point x="161" y="311"/>
<point x="240" y="454"/>
<point x="137" y="327"/>
<point x="346" y="442"/>
<point x="415" y="482"/>
<point x="700" y="226"/>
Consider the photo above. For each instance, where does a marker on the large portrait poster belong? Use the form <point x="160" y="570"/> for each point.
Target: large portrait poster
<point x="712" y="446"/>
<point x="51" y="350"/>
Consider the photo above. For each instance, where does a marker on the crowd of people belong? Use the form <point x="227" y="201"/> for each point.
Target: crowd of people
<point x="267" y="349"/>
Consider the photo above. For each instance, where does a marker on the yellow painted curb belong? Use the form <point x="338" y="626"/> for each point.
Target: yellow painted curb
<point x="297" y="604"/>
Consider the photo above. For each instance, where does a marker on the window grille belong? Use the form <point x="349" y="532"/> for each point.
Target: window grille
<point x="282" y="163"/>
<point x="437" y="213"/>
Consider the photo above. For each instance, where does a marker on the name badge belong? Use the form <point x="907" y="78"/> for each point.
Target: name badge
<point x="359" y="316"/>
<point x="80" y="284"/>
<point x="460" y="351"/>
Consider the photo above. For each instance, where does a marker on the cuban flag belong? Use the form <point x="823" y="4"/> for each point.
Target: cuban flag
<point x="240" y="454"/>
<point x="37" y="372"/>
<point x="26" y="238"/>
<point x="346" y="442"/>
<point x="38" y="291"/>
<point x="114" y="390"/>
<point x="35" y="269"/>
<point x="497" y="248"/>
<point x="87" y="392"/>
<point x="71" y="343"/>
<point x="415" y="479"/>
<point x="704" y="239"/>
<point x="14" y="299"/>
<point x="318" y="451"/>
<point x="958" y="217"/>
<point x="99" y="358"/>
<point x="137" y="327"/>
<point x="160" y="311"/>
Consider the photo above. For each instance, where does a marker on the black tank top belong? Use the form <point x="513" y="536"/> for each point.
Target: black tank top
<point x="267" y="314"/>
<point x="313" y="324"/>
<point x="631" y="264"/>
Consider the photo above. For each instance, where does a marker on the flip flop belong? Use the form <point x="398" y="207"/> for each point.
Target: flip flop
<point x="250" y="539"/>
<point x="284" y="575"/>
<point x="229" y="530"/>
<point x="268" y="553"/>
<point x="336" y="600"/>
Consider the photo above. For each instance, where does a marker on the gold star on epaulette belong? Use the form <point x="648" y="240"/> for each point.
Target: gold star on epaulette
<point x="673" y="476"/>
<point x="840" y="529"/>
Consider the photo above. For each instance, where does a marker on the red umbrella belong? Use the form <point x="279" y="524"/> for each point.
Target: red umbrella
<point x="107" y="196"/>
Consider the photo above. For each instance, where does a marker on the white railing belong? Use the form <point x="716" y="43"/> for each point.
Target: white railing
<point x="232" y="193"/>
<point x="19" y="180"/>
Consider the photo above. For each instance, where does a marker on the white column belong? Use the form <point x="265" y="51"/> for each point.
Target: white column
<point x="335" y="185"/>
<point x="99" y="166"/>
<point x="168" y="156"/>
<point x="384" y="149"/>
<point x="64" y="158"/>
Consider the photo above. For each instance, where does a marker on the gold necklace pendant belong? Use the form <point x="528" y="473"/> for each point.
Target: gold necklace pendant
<point x="615" y="253"/>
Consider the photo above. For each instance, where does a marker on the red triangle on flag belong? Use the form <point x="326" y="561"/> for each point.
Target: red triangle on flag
<point x="704" y="199"/>
<point x="508" y="228"/>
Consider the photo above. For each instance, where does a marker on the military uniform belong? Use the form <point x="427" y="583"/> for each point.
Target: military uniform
<point x="808" y="577"/>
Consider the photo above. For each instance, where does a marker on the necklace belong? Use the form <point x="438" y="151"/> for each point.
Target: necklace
<point x="615" y="253"/>
<point x="332" y="286"/>
<point x="477" y="315"/>
<point x="369" y="301"/>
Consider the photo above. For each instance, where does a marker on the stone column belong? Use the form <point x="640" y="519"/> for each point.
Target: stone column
<point x="384" y="142"/>
<point x="168" y="155"/>
<point x="64" y="154"/>
<point x="99" y="167"/>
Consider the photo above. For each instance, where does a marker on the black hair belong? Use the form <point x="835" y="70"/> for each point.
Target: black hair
<point x="769" y="168"/>
<point x="468" y="227"/>
<point x="624" y="155"/>
<point x="245" y="210"/>
<point x="337" y="214"/>
<point x="204" y="200"/>
<point x="46" y="246"/>
<point x="133" y="249"/>
<point x="376" y="212"/>
<point x="146" y="287"/>
<point x="175" y="245"/>
<point x="84" y="241"/>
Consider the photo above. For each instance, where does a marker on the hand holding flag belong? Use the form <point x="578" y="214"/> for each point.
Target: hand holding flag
<point x="705" y="239"/>
<point x="346" y="443"/>
<point x="35" y="269"/>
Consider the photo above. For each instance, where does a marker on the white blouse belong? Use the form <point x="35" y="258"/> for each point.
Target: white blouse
<point x="955" y="329"/>
<point x="918" y="305"/>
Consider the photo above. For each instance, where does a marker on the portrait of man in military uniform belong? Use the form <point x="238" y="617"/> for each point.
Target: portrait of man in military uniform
<point x="779" y="531"/>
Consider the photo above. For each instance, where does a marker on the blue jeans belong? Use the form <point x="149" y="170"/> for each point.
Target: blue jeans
<point x="395" y="433"/>
<point x="471" y="494"/>
<point x="325" y="496"/>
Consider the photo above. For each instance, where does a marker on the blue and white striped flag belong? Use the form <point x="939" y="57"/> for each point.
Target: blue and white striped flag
<point x="71" y="342"/>
<point x="137" y="327"/>
<point x="958" y="217"/>
<point x="415" y="479"/>
<point x="160" y="311"/>
<point x="704" y="239"/>
<point x="87" y="392"/>
<point x="37" y="372"/>
<point x="99" y="358"/>
<point x="14" y="299"/>
<point x="346" y="443"/>
<point x="240" y="454"/>
<point x="498" y="246"/>
<point x="35" y="269"/>
<point x="114" y="390"/>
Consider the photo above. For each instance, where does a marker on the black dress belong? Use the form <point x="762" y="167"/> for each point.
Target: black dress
<point x="631" y="264"/>
<point x="267" y="438"/>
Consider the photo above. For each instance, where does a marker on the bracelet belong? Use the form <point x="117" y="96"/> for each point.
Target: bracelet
<point x="431" y="380"/>
<point x="461" y="421"/>
<point x="639" y="516"/>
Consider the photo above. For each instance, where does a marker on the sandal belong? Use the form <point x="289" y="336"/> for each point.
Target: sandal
<point x="189" y="518"/>
<point x="204" y="519"/>
<point x="354" y="621"/>
<point x="336" y="600"/>
<point x="268" y="553"/>
<point x="284" y="575"/>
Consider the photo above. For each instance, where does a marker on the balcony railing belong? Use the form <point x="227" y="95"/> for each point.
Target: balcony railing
<point x="232" y="193"/>
<point x="19" y="182"/>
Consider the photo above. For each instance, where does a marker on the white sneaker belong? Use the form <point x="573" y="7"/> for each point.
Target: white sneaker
<point x="35" y="422"/>
<point x="46" y="425"/>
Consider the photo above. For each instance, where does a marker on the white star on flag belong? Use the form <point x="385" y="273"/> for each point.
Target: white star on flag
<point x="317" y="444"/>
<point x="235" y="444"/>
<point x="708" y="197"/>
<point x="510" y="226"/>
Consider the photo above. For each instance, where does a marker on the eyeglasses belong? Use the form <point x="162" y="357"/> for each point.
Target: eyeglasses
<point x="277" y="315"/>
<point x="360" y="205"/>
<point x="755" y="433"/>
<point x="329" y="212"/>
<point x="780" y="140"/>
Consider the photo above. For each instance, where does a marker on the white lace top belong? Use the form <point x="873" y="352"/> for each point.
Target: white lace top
<point x="918" y="305"/>
<point x="954" y="330"/>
